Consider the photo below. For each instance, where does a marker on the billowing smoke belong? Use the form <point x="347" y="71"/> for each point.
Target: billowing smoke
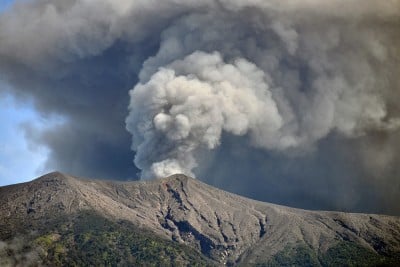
<point x="250" y="70"/>
<point x="186" y="106"/>
<point x="266" y="98"/>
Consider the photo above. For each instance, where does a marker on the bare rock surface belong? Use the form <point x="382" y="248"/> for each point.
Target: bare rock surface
<point x="225" y="227"/>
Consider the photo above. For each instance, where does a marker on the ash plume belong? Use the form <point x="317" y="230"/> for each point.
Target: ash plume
<point x="254" y="70"/>
<point x="263" y="98"/>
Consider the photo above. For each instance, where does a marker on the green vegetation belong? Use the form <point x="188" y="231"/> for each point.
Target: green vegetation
<point x="300" y="255"/>
<point x="344" y="253"/>
<point x="88" y="239"/>
<point x="91" y="240"/>
<point x="351" y="254"/>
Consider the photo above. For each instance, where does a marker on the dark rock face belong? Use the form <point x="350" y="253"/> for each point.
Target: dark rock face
<point x="226" y="228"/>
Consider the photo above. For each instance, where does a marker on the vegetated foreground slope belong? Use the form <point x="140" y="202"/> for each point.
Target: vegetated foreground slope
<point x="178" y="221"/>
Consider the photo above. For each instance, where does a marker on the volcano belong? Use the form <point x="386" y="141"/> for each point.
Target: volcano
<point x="61" y="220"/>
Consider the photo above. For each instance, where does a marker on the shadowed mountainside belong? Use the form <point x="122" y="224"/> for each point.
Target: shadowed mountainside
<point x="224" y="227"/>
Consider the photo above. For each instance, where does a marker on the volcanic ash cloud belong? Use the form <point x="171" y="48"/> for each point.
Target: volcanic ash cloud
<point x="187" y="104"/>
<point x="276" y="77"/>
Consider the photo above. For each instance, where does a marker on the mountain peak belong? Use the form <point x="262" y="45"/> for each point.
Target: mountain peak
<point x="224" y="227"/>
<point x="179" y="177"/>
<point x="56" y="177"/>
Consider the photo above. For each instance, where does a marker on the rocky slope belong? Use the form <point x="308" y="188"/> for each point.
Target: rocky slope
<point x="226" y="228"/>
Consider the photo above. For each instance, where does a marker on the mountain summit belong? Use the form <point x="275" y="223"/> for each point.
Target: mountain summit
<point x="183" y="220"/>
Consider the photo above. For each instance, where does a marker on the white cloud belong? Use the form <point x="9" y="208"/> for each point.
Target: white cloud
<point x="18" y="161"/>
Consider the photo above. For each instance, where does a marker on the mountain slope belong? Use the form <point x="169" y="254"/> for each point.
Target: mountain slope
<point x="224" y="227"/>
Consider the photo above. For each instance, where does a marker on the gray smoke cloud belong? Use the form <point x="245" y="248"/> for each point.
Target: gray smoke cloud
<point x="250" y="69"/>
<point x="187" y="105"/>
<point x="293" y="102"/>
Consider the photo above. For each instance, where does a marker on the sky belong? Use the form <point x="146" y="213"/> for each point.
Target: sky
<point x="4" y="4"/>
<point x="18" y="161"/>
<point x="291" y="102"/>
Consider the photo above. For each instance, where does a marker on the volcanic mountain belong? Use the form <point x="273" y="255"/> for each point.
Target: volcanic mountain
<point x="60" y="220"/>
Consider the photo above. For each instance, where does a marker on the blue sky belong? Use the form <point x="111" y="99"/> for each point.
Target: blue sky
<point x="19" y="162"/>
<point x="4" y="4"/>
